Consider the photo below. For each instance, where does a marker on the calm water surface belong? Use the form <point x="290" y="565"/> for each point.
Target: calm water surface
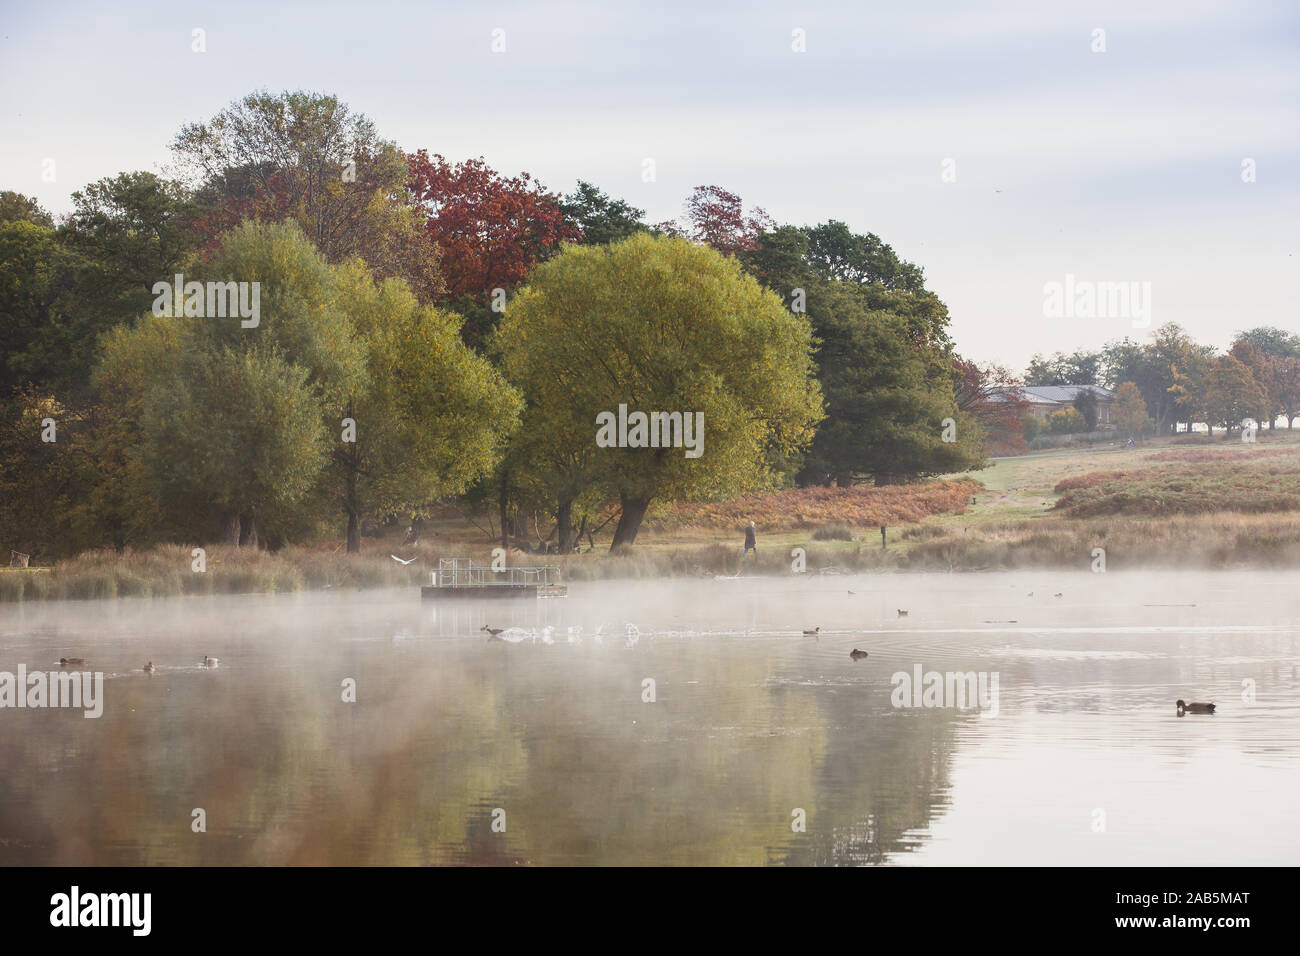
<point x="1084" y="762"/>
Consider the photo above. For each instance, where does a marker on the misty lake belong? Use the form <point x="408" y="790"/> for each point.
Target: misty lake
<point x="760" y="746"/>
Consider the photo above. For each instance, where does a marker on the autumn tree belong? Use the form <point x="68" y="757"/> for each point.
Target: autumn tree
<point x="1169" y="371"/>
<point x="717" y="218"/>
<point x="1130" y="412"/>
<point x="990" y="395"/>
<point x="306" y="157"/>
<point x="1286" y="379"/>
<point x="1232" y="394"/>
<point x="1272" y="354"/>
<point x="491" y="230"/>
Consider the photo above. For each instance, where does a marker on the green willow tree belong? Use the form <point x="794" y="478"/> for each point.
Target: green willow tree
<point x="229" y="457"/>
<point x="657" y="324"/>
<point x="430" y="416"/>
<point x="238" y="430"/>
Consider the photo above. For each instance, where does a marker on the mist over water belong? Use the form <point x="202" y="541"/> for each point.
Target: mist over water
<point x="751" y="721"/>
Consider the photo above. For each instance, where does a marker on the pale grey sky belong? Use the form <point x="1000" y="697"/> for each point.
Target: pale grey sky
<point x="1123" y="165"/>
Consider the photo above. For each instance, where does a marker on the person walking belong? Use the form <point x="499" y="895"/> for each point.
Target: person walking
<point x="751" y="544"/>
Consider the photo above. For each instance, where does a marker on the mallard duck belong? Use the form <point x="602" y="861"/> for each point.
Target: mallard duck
<point x="149" y="668"/>
<point x="1195" y="707"/>
<point x="492" y="631"/>
<point x="65" y="661"/>
<point x="814" y="632"/>
<point x="856" y="654"/>
<point x="210" y="661"/>
<point x="902" y="613"/>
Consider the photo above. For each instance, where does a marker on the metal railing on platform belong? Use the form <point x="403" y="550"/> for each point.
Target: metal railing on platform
<point x="462" y="573"/>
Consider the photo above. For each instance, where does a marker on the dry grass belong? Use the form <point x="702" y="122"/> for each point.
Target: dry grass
<point x="800" y="508"/>
<point x="1163" y="506"/>
<point x="1252" y="486"/>
<point x="167" y="571"/>
<point x="1182" y="542"/>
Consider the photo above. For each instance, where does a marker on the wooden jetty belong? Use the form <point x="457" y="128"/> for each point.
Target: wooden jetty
<point x="460" y="578"/>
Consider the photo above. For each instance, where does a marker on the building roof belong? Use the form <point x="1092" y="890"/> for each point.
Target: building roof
<point x="1048" y="394"/>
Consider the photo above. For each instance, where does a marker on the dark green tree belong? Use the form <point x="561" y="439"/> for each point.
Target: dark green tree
<point x="600" y="218"/>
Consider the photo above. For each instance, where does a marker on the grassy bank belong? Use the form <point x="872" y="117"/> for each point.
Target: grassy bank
<point x="1166" y="504"/>
<point x="168" y="572"/>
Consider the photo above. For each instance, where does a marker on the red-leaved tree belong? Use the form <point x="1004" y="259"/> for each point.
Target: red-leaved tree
<point x="988" y="393"/>
<point x="717" y="218"/>
<point x="491" y="229"/>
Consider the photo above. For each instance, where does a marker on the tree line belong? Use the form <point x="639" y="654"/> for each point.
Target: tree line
<point x="1174" y="381"/>
<point x="433" y="331"/>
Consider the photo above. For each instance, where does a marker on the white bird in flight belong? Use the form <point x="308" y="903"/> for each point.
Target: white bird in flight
<point x="399" y="560"/>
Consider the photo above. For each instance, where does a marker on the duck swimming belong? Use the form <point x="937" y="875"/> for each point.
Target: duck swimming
<point x="210" y="661"/>
<point x="902" y="613"/>
<point x="149" y="668"/>
<point x="492" y="631"/>
<point x="65" y="661"/>
<point x="856" y="654"/>
<point x="1195" y="707"/>
<point x="814" y="632"/>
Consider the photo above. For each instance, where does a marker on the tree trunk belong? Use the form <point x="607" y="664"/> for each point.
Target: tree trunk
<point x="629" y="520"/>
<point x="350" y="457"/>
<point x="247" y="531"/>
<point x="503" y="501"/>
<point x="564" y="525"/>
<point x="352" y="506"/>
<point x="230" y="528"/>
<point x="354" y="533"/>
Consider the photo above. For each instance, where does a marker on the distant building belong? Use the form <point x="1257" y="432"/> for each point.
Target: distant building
<point x="1043" y="400"/>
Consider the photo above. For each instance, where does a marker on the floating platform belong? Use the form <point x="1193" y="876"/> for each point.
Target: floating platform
<point x="458" y="578"/>
<point x="493" y="591"/>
